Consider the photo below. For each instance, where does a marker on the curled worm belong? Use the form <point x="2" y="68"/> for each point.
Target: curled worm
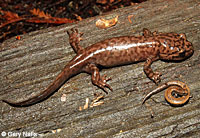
<point x="178" y="93"/>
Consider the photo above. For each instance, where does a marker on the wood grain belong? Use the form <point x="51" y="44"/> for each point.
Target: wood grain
<point x="29" y="65"/>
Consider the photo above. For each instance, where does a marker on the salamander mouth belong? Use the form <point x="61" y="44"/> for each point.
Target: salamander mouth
<point x="182" y="54"/>
<point x="186" y="54"/>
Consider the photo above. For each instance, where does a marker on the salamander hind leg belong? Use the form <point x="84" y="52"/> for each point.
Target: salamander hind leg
<point x="74" y="40"/>
<point x="97" y="79"/>
<point x="154" y="76"/>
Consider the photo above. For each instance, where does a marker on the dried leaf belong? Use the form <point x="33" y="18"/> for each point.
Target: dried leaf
<point x="103" y="23"/>
<point x="9" y="15"/>
<point x="129" y="18"/>
<point x="47" y="18"/>
<point x="40" y="14"/>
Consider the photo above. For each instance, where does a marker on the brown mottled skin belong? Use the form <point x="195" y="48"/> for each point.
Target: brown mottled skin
<point x="117" y="51"/>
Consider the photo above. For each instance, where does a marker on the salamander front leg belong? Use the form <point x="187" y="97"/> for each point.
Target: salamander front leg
<point x="154" y="76"/>
<point x="147" y="33"/>
<point x="97" y="79"/>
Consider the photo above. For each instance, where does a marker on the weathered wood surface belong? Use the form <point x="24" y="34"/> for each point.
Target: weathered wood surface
<point x="28" y="66"/>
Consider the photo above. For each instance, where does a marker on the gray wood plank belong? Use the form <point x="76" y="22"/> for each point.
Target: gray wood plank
<point x="29" y="65"/>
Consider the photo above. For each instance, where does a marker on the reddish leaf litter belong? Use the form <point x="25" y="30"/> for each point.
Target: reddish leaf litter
<point x="21" y="16"/>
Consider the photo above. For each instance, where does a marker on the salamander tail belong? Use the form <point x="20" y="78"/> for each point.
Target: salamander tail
<point x="60" y="79"/>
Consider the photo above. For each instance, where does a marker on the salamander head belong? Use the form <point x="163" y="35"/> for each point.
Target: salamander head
<point x="175" y="47"/>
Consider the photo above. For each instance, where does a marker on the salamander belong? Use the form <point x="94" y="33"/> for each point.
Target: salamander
<point x="116" y="51"/>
